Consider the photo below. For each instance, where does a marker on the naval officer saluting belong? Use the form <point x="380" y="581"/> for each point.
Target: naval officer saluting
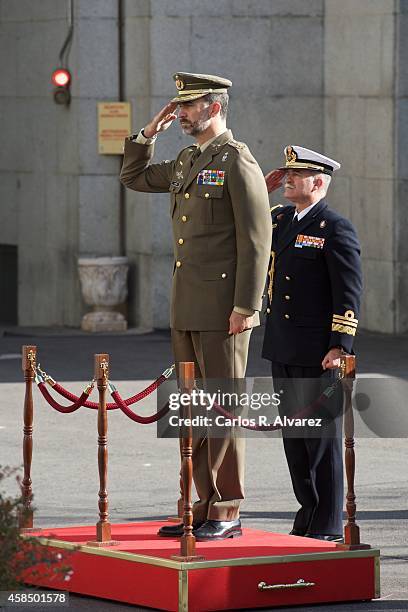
<point x="221" y="233"/>
<point x="314" y="291"/>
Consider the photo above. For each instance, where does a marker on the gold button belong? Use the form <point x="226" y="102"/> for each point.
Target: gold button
<point x="184" y="218"/>
<point x="224" y="275"/>
<point x="178" y="264"/>
<point x="180" y="241"/>
<point x="186" y="195"/>
<point x="268" y="310"/>
<point x="181" y="163"/>
<point x="287" y="297"/>
<point x="287" y="277"/>
<point x="207" y="195"/>
<point x="287" y="316"/>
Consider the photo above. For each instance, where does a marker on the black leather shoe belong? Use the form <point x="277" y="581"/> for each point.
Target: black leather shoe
<point x="176" y="531"/>
<point x="218" y="530"/>
<point x="326" y="538"/>
<point x="297" y="532"/>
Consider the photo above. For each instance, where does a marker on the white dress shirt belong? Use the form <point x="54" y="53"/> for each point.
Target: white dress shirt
<point x="299" y="215"/>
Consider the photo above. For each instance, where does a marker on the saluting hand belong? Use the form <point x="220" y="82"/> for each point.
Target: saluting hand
<point x="273" y="179"/>
<point x="161" y="121"/>
<point x="239" y="323"/>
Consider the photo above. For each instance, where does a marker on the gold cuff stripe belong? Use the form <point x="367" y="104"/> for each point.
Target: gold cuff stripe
<point x="341" y="319"/>
<point x="345" y="322"/>
<point x="344" y="329"/>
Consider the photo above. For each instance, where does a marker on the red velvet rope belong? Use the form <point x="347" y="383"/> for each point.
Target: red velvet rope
<point x="80" y="401"/>
<point x="124" y="403"/>
<point x="112" y="406"/>
<point x="301" y="414"/>
<point x="135" y="417"/>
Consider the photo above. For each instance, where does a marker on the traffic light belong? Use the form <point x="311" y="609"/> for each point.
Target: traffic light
<point x="61" y="79"/>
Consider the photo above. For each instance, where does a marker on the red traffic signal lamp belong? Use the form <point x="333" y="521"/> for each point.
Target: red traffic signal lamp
<point x="61" y="79"/>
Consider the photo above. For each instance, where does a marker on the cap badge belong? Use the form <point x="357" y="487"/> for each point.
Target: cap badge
<point x="179" y="84"/>
<point x="290" y="155"/>
<point x="323" y="223"/>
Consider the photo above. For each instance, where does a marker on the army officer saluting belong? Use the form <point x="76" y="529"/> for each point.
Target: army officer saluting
<point x="221" y="232"/>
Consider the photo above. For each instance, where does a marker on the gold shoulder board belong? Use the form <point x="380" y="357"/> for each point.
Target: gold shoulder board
<point x="275" y="207"/>
<point x="237" y="145"/>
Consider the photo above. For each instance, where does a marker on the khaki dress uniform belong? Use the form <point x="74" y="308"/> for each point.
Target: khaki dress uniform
<point x="221" y="234"/>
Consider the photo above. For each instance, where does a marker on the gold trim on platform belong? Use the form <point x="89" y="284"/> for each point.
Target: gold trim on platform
<point x="192" y="565"/>
<point x="377" y="578"/>
<point x="183" y="591"/>
<point x="322" y="556"/>
<point x="118" y="554"/>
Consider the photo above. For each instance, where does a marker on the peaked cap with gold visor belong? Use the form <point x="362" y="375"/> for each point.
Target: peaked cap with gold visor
<point x="299" y="157"/>
<point x="193" y="86"/>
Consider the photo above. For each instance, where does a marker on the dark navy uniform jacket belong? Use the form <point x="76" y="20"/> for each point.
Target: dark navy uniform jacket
<point x="314" y="295"/>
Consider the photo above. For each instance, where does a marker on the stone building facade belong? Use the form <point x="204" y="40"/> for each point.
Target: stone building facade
<point x="328" y="75"/>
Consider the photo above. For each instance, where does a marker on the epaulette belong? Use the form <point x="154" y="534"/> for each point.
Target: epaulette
<point x="275" y="207"/>
<point x="189" y="149"/>
<point x="279" y="211"/>
<point x="237" y="145"/>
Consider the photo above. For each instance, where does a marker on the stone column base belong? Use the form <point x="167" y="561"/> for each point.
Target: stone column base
<point x="101" y="321"/>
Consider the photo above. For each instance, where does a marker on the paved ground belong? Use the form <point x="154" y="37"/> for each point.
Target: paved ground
<point x="65" y="476"/>
<point x="68" y="354"/>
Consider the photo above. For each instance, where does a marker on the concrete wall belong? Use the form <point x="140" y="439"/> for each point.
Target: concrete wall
<point x="258" y="45"/>
<point x="401" y="148"/>
<point x="326" y="74"/>
<point x="59" y="198"/>
<point x="359" y="131"/>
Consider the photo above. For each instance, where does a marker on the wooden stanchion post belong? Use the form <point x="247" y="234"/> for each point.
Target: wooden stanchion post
<point x="188" y="541"/>
<point x="351" y="529"/>
<point x="29" y="363"/>
<point x="103" y="527"/>
<point x="180" y="502"/>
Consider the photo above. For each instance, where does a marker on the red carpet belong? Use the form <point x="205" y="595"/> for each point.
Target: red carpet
<point x="227" y="579"/>
<point x="142" y="539"/>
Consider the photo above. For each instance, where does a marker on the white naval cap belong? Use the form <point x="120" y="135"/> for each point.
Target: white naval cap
<point x="299" y="157"/>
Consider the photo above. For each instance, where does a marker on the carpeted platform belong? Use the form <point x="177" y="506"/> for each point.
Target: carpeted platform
<point x="142" y="539"/>
<point x="139" y="570"/>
